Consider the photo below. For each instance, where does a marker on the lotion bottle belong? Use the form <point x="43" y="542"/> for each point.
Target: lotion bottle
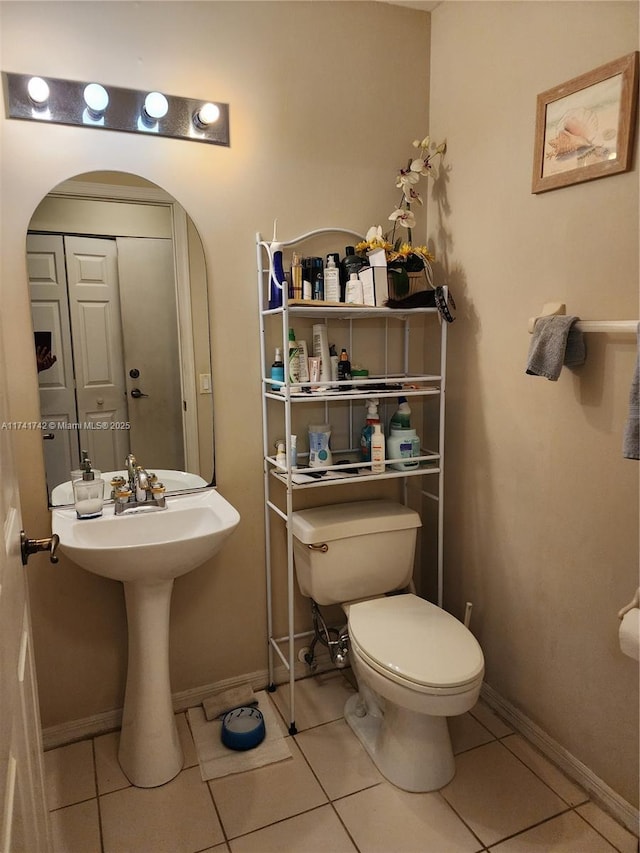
<point x="331" y="281"/>
<point x="353" y="292"/>
<point x="377" y="450"/>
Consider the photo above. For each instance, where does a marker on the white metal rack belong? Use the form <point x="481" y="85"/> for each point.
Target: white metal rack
<point x="288" y="407"/>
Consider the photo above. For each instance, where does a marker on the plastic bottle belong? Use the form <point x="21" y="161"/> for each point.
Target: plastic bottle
<point x="367" y="430"/>
<point x="351" y="263"/>
<point x="333" y="358"/>
<point x="296" y="277"/>
<point x="277" y="281"/>
<point x="294" y="362"/>
<point x="403" y="444"/>
<point x="377" y="450"/>
<point x="318" y="287"/>
<point x="281" y="455"/>
<point x="331" y="280"/>
<point x="353" y="294"/>
<point x="294" y="451"/>
<point x="401" y="418"/>
<point x="277" y="370"/>
<point x="344" y="369"/>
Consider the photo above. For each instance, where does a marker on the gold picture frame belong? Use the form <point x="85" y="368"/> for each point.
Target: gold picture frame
<point x="585" y="127"/>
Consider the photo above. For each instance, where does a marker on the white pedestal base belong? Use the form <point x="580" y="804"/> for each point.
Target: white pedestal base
<point x="411" y="750"/>
<point x="150" y="753"/>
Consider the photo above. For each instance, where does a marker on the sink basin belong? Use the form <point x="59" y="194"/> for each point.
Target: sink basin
<point x="148" y="544"/>
<point x="147" y="549"/>
<point x="174" y="481"/>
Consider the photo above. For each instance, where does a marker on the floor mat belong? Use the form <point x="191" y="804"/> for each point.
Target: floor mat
<point x="217" y="760"/>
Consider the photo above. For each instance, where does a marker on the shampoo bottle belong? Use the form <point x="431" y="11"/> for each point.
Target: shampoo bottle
<point x="368" y="429"/>
<point x="351" y="263"/>
<point x="377" y="450"/>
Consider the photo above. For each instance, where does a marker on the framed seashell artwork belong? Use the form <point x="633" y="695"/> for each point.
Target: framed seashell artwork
<point x="584" y="127"/>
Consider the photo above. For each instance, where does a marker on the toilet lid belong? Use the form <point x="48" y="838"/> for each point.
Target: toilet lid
<point x="416" y="641"/>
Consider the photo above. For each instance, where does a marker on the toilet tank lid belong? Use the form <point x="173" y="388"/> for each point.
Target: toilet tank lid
<point x="339" y="521"/>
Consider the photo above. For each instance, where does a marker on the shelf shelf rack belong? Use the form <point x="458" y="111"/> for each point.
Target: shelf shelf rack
<point x="431" y="462"/>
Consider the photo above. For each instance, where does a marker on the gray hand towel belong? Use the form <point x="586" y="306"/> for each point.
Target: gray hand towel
<point x="553" y="344"/>
<point x="631" y="439"/>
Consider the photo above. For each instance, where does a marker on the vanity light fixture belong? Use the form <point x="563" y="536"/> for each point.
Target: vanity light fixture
<point x="114" y="108"/>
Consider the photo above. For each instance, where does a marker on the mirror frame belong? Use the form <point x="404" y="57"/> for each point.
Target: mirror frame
<point x="156" y="195"/>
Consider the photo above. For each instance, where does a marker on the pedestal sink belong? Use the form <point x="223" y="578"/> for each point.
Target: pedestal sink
<point x="147" y="549"/>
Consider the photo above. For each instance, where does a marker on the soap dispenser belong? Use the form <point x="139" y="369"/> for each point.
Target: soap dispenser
<point x="88" y="493"/>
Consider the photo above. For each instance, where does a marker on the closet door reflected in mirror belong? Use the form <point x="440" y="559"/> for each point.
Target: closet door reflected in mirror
<point x="119" y="295"/>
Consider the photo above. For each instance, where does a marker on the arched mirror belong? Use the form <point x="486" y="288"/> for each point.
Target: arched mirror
<point x="120" y="314"/>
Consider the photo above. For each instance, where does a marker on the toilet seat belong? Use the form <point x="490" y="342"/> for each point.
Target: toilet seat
<point x="416" y="644"/>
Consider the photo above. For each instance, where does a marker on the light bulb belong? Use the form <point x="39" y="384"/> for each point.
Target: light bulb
<point x="207" y="114"/>
<point x="38" y="90"/>
<point x="96" y="98"/>
<point x="156" y="105"/>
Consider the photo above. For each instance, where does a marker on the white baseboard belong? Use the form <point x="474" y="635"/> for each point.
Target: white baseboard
<point x="601" y="793"/>
<point x="109" y="721"/>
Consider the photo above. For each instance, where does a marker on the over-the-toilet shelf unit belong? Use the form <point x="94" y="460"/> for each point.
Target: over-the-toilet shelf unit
<point x="285" y="412"/>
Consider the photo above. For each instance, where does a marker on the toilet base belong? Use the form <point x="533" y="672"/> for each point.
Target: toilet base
<point x="413" y="751"/>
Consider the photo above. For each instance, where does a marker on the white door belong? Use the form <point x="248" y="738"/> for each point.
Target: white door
<point x="92" y="273"/>
<point x="24" y="822"/>
<point x="150" y="333"/>
<point x="50" y="312"/>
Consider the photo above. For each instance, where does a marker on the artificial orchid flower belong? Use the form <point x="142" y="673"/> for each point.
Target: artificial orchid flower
<point x="405" y="218"/>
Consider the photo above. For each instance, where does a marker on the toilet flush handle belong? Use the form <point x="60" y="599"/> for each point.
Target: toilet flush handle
<point x="323" y="547"/>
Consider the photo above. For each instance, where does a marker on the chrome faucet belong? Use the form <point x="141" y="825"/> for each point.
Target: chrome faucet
<point x="130" y="462"/>
<point x="143" y="491"/>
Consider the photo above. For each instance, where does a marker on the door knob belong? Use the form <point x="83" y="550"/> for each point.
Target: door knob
<point x="136" y="392"/>
<point x="48" y="436"/>
<point x="32" y="546"/>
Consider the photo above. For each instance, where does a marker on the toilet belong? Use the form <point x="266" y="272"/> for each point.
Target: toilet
<point x="414" y="663"/>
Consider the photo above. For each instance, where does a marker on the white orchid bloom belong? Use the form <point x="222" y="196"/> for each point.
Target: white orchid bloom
<point x="411" y="195"/>
<point x="421" y="166"/>
<point x="374" y="233"/>
<point x="406" y="179"/>
<point x="403" y="217"/>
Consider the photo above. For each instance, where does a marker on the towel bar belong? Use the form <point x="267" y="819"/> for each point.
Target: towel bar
<point x="554" y="309"/>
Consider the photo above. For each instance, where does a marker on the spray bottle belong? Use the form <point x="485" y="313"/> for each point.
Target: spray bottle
<point x="367" y="430"/>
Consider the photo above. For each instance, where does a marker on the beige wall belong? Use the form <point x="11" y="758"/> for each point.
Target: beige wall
<point x="541" y="509"/>
<point x="317" y="136"/>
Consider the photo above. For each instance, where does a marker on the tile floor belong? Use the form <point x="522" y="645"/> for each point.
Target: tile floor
<point x="329" y="797"/>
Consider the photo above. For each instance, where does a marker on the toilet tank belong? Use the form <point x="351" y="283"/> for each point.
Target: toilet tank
<point x="347" y="551"/>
